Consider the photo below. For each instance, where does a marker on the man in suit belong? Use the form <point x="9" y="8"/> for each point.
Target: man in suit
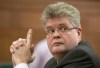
<point x="61" y="23"/>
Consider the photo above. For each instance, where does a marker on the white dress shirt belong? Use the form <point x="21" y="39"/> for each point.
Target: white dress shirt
<point x="22" y="65"/>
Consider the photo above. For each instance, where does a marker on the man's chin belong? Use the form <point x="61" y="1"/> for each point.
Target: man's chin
<point x="57" y="51"/>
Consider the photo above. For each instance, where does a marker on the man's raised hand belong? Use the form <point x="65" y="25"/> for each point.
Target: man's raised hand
<point x="22" y="49"/>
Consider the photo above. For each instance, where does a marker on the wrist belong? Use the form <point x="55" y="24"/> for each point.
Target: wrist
<point x="20" y="62"/>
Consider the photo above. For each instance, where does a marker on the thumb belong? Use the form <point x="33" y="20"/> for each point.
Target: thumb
<point x="32" y="48"/>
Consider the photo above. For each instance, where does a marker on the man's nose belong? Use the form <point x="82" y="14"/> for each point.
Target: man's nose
<point x="56" y="34"/>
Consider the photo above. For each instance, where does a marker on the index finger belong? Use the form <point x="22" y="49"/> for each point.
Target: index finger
<point x="29" y="37"/>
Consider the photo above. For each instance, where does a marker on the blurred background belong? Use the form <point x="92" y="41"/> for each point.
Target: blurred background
<point x="17" y="16"/>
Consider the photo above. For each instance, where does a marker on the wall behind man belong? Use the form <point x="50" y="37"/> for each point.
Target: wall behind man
<point x="17" y="16"/>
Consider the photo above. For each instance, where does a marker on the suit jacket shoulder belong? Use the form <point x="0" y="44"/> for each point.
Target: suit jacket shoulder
<point x="81" y="56"/>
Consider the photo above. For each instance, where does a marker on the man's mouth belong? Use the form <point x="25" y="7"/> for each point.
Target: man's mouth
<point x="57" y="43"/>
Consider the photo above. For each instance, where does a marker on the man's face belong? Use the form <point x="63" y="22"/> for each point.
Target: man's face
<point x="61" y="35"/>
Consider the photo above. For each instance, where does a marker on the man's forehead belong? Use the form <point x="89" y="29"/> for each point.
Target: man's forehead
<point x="58" y="25"/>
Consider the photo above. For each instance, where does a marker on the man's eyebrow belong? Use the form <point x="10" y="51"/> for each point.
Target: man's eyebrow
<point x="48" y="27"/>
<point x="63" y="24"/>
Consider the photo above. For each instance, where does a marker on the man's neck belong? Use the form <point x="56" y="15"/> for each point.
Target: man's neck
<point x="59" y="57"/>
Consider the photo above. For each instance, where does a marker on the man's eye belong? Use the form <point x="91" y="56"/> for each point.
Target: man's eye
<point x="63" y="29"/>
<point x="50" y="31"/>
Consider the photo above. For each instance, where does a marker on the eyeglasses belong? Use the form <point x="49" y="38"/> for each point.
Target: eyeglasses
<point x="61" y="29"/>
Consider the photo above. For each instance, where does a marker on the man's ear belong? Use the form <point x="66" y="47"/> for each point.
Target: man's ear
<point x="79" y="31"/>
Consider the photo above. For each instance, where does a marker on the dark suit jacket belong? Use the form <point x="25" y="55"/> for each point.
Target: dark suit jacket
<point x="81" y="56"/>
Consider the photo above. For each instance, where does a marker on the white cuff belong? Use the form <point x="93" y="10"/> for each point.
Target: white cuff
<point x="22" y="65"/>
